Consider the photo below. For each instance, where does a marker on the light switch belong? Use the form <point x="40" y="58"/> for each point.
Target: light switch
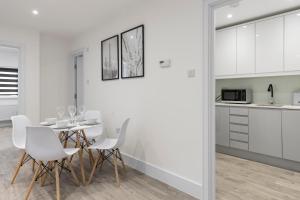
<point x="191" y="73"/>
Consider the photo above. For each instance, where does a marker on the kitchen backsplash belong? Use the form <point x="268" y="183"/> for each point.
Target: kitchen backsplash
<point x="284" y="86"/>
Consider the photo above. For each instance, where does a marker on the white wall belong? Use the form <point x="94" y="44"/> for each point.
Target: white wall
<point x="56" y="74"/>
<point x="28" y="40"/>
<point x="9" y="57"/>
<point x="165" y="107"/>
<point x="284" y="86"/>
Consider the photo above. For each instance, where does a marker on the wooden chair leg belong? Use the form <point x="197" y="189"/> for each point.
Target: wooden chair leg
<point x="18" y="167"/>
<point x="43" y="178"/>
<point x="73" y="173"/>
<point x="102" y="155"/>
<point x="116" y="167"/>
<point x="32" y="181"/>
<point x="94" y="168"/>
<point x="33" y="165"/>
<point x="122" y="161"/>
<point x="57" y="181"/>
<point x="77" y="144"/>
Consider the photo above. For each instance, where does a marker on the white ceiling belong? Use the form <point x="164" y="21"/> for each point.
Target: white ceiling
<point x="247" y="9"/>
<point x="62" y="17"/>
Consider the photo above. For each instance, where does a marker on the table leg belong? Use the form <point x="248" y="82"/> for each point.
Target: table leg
<point x="92" y="160"/>
<point x="66" y="140"/>
<point x="81" y="165"/>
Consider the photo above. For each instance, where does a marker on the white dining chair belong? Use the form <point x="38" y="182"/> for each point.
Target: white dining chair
<point x="110" y="145"/>
<point x="43" y="144"/>
<point x="19" y="124"/>
<point x="95" y="131"/>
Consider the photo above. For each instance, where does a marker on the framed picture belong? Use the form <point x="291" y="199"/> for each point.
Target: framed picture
<point x="132" y="53"/>
<point x="110" y="58"/>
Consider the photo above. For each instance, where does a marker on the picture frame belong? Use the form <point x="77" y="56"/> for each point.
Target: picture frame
<point x="133" y="53"/>
<point x="110" y="58"/>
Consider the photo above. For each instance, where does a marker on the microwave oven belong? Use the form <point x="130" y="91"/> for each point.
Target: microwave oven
<point x="240" y="96"/>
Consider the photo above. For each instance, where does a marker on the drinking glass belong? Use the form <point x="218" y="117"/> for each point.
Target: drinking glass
<point x="81" y="111"/>
<point x="72" y="113"/>
<point x="60" y="110"/>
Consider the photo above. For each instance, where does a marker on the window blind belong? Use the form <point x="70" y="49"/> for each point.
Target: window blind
<point x="8" y="82"/>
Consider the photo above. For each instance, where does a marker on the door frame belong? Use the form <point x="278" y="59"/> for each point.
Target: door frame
<point x="209" y="155"/>
<point x="75" y="54"/>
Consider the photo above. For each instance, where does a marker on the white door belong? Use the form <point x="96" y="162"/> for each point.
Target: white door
<point x="292" y="42"/>
<point x="246" y="49"/>
<point x="269" y="45"/>
<point x="79" y="81"/>
<point x="225" y="55"/>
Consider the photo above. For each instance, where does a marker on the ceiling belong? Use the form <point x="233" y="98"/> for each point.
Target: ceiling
<point x="62" y="17"/>
<point x="248" y="9"/>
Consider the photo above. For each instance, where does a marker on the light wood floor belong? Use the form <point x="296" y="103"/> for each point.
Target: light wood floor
<point x="239" y="179"/>
<point x="134" y="185"/>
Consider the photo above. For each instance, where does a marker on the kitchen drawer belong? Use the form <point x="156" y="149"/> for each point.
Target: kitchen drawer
<point x="239" y="136"/>
<point x="239" y="119"/>
<point x="239" y="128"/>
<point x="238" y="111"/>
<point x="239" y="145"/>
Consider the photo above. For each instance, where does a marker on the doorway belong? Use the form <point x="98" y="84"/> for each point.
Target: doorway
<point x="268" y="166"/>
<point x="79" y="80"/>
<point x="10" y="83"/>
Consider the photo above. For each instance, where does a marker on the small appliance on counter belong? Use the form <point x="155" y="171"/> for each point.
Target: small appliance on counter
<point x="296" y="98"/>
<point x="238" y="96"/>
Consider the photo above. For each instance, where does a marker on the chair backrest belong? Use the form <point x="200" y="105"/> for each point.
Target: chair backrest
<point x="19" y="124"/>
<point x="122" y="133"/>
<point x="93" y="114"/>
<point x="42" y="144"/>
<point x="95" y="131"/>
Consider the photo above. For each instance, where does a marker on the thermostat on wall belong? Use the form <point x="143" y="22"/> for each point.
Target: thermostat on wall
<point x="165" y="63"/>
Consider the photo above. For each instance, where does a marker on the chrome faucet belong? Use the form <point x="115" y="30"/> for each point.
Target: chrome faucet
<point x="270" y="89"/>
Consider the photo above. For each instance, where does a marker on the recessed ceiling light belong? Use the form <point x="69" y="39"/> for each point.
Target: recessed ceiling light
<point x="131" y="37"/>
<point x="35" y="12"/>
<point x="245" y="26"/>
<point x="298" y="14"/>
<point x="229" y="16"/>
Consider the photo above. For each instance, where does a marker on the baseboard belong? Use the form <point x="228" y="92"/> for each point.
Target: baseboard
<point x="187" y="186"/>
<point x="4" y="124"/>
<point x="268" y="160"/>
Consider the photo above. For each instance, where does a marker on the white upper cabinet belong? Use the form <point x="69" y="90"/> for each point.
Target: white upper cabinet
<point x="225" y="54"/>
<point x="246" y="49"/>
<point x="269" y="45"/>
<point x="292" y="42"/>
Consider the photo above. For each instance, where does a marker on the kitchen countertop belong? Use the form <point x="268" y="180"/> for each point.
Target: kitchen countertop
<point x="274" y="106"/>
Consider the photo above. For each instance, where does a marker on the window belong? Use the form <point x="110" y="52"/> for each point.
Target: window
<point x="8" y="82"/>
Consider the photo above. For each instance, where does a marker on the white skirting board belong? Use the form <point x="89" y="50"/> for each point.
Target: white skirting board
<point x="187" y="186"/>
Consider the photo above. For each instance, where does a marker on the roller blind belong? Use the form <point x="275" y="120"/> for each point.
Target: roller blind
<point x="8" y="82"/>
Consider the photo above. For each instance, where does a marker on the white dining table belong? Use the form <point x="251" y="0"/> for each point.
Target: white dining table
<point x="76" y="133"/>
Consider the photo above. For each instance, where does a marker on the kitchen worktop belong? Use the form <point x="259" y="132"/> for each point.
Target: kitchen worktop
<point x="252" y="105"/>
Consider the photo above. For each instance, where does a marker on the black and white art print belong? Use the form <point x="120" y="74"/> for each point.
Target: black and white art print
<point x="132" y="53"/>
<point x="110" y="58"/>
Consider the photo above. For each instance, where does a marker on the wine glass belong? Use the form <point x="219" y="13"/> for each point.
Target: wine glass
<point x="81" y="110"/>
<point x="60" y="112"/>
<point x="72" y="113"/>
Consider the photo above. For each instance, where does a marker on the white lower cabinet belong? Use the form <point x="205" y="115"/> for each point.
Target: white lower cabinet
<point x="272" y="132"/>
<point x="265" y="132"/>
<point x="222" y="126"/>
<point x="291" y="135"/>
